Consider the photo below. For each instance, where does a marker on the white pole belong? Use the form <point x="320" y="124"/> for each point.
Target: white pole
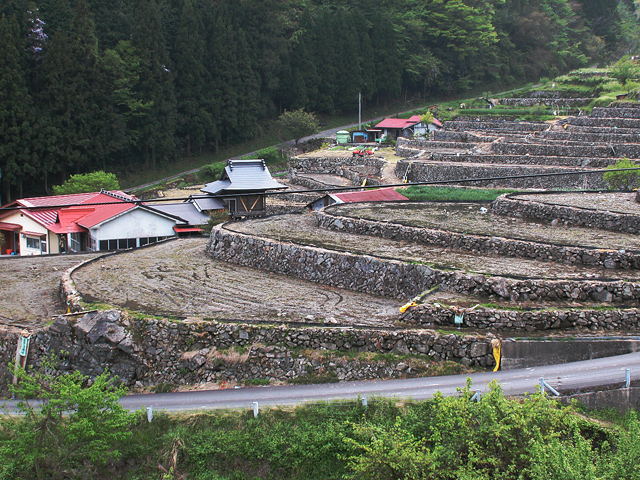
<point x="359" y="110"/>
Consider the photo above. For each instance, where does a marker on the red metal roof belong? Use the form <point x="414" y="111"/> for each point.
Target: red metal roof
<point x="399" y="122"/>
<point x="186" y="229"/>
<point x="77" y="212"/>
<point x="379" y="195"/>
<point x="10" y="226"/>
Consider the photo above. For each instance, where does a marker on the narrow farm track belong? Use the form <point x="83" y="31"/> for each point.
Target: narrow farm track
<point x="177" y="279"/>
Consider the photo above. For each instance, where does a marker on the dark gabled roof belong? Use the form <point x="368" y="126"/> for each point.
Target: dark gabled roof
<point x="186" y="211"/>
<point x="243" y="176"/>
<point x="205" y="203"/>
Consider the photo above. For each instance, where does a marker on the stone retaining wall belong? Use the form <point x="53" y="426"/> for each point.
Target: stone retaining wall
<point x="434" y="172"/>
<point x="332" y="165"/>
<point x="560" y="150"/>
<point x="549" y="102"/>
<point x="524" y="160"/>
<point x="575" y="136"/>
<point x="615" y="112"/>
<point x="395" y="279"/>
<point x="481" y="244"/>
<point x="605" y="122"/>
<point x="512" y="205"/>
<point x="146" y="352"/>
<point x="428" y="315"/>
<point x="502" y="126"/>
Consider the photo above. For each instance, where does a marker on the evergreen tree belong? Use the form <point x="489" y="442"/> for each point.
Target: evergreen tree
<point x="16" y="112"/>
<point x="156" y="88"/>
<point x="70" y="99"/>
<point x="194" y="120"/>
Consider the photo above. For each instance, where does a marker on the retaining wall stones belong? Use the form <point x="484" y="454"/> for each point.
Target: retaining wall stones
<point x="483" y="124"/>
<point x="150" y="352"/>
<point x="433" y="172"/>
<point x="512" y="205"/>
<point x="391" y="278"/>
<point x="428" y="315"/>
<point x="549" y="102"/>
<point x="524" y="160"/>
<point x="481" y="244"/>
<point x="605" y="122"/>
<point x="615" y="112"/>
<point x="332" y="165"/>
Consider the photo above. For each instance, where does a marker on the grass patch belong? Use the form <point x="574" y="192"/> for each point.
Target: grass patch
<point x="427" y="193"/>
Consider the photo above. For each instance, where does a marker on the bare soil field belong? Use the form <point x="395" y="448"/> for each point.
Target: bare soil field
<point x="621" y="202"/>
<point x="467" y="218"/>
<point x="177" y="279"/>
<point x="302" y="229"/>
<point x="30" y="288"/>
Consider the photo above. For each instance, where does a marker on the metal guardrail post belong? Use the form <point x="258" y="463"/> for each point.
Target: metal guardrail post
<point x="476" y="396"/>
<point x="627" y="378"/>
<point x="544" y="385"/>
<point x="255" y="410"/>
<point x="149" y="414"/>
<point x="364" y="402"/>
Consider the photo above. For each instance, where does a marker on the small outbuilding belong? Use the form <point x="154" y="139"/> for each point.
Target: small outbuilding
<point x="378" y="195"/>
<point x="343" y="137"/>
<point x="242" y="187"/>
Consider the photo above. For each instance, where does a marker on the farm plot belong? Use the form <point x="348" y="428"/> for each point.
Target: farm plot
<point x="177" y="279"/>
<point x="302" y="229"/>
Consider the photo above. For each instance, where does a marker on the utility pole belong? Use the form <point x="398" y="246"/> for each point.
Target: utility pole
<point x="359" y="111"/>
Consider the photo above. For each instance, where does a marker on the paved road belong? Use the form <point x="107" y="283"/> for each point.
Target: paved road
<point x="570" y="376"/>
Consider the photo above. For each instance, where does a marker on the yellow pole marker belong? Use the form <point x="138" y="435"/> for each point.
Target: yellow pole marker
<point x="496" y="343"/>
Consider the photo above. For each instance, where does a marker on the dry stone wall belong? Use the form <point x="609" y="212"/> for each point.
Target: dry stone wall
<point x="424" y="171"/>
<point x="150" y="351"/>
<point x="432" y="316"/>
<point x="481" y="244"/>
<point x="332" y="165"/>
<point x="391" y="278"/>
<point x="512" y="205"/>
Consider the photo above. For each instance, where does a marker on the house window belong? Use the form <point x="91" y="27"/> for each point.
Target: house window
<point x="92" y="244"/>
<point x="33" y="242"/>
<point x="76" y="245"/>
<point x="232" y="205"/>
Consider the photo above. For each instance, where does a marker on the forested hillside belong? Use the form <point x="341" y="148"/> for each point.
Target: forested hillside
<point x="122" y="85"/>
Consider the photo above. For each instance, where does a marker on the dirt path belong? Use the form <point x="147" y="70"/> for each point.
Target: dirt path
<point x="177" y="279"/>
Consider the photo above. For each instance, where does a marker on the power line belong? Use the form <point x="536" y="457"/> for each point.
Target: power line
<point x="321" y="190"/>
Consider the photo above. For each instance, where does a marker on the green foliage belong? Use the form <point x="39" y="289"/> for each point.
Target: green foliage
<point x="297" y="124"/>
<point x="211" y="172"/>
<point x="427" y="193"/>
<point x="625" y="70"/>
<point x="626" y="180"/>
<point x="88" y="182"/>
<point x="78" y="426"/>
<point x="215" y="218"/>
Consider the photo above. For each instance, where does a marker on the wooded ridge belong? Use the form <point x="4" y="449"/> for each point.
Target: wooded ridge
<point x="123" y="85"/>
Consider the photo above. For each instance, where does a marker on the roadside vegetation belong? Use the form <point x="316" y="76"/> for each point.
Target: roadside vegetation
<point x="531" y="437"/>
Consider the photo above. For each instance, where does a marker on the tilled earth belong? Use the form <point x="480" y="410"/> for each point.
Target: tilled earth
<point x="468" y="218"/>
<point x="302" y="229"/>
<point x="30" y="288"/>
<point x="177" y="279"/>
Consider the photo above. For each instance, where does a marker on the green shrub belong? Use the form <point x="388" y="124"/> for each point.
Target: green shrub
<point x="626" y="180"/>
<point x="211" y="172"/>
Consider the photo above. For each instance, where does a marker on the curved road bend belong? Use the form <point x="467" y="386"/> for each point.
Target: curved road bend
<point x="569" y="376"/>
